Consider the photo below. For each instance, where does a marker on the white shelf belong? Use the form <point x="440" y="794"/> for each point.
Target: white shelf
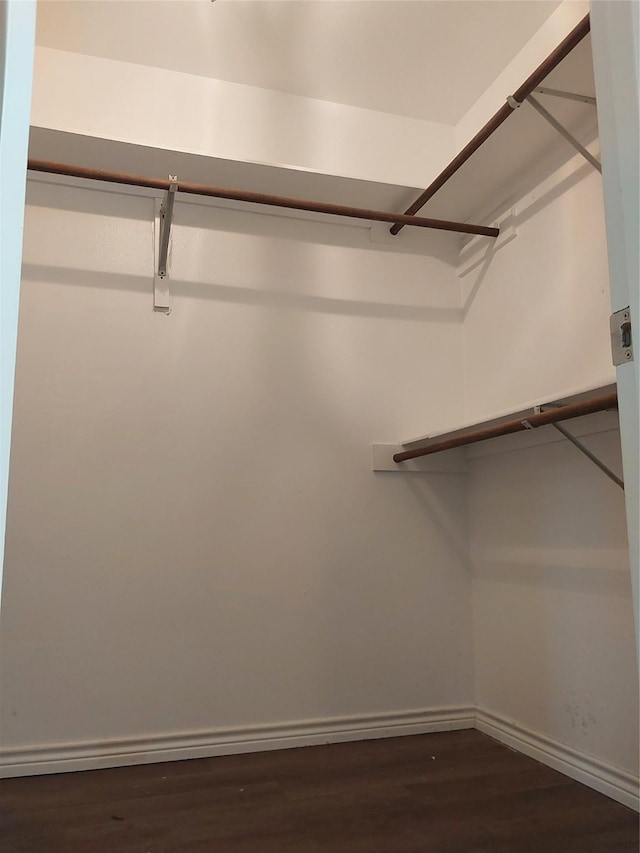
<point x="525" y="149"/>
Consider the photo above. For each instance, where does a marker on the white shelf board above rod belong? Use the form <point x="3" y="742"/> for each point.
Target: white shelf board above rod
<point x="575" y="395"/>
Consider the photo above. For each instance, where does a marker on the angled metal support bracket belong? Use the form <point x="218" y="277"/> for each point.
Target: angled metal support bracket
<point x="598" y="462"/>
<point x="576" y="443"/>
<point x="570" y="96"/>
<point x="564" y="132"/>
<point x="162" y="233"/>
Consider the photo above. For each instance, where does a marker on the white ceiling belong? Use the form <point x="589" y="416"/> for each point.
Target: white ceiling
<point x="429" y="59"/>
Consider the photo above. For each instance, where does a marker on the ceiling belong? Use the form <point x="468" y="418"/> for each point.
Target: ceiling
<point x="427" y="59"/>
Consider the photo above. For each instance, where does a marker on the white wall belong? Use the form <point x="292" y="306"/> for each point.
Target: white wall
<point x="555" y="661"/>
<point x="155" y="107"/>
<point x="239" y="567"/>
<point x="537" y="310"/>
<point x="545" y="40"/>
<point x="555" y="665"/>
<point x="196" y="540"/>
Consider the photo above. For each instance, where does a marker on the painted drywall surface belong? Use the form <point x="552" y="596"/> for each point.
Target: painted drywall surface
<point x="537" y="310"/>
<point x="391" y="57"/>
<point x="553" y="617"/>
<point x="183" y="112"/>
<point x="334" y="645"/>
<point x="547" y="38"/>
<point x="17" y="35"/>
<point x="196" y="538"/>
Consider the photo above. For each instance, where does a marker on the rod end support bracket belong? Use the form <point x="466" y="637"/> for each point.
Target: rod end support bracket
<point x="162" y="237"/>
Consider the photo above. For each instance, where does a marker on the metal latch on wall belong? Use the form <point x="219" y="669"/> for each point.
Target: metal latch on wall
<point x="621" y="336"/>
<point x="162" y="234"/>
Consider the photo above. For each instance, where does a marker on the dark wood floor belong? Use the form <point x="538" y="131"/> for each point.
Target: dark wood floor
<point x="454" y="792"/>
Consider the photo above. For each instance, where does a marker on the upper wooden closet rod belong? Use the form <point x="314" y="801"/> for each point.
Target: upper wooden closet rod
<point x="532" y="82"/>
<point x="260" y="198"/>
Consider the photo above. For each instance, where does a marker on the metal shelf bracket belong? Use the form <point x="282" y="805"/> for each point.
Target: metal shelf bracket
<point x="580" y="446"/>
<point x="162" y="236"/>
<point x="564" y="132"/>
<point x="570" y="96"/>
<point x="585" y="450"/>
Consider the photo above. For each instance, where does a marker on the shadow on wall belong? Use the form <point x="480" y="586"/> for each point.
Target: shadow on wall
<point x="239" y="218"/>
<point x="526" y="209"/>
<point x="245" y="257"/>
<point x="430" y="491"/>
<point x="452" y="528"/>
<point x="608" y="572"/>
<point x="583" y="546"/>
<point x="242" y="295"/>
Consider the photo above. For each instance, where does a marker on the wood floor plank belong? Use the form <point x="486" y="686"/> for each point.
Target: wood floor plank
<point x="449" y="792"/>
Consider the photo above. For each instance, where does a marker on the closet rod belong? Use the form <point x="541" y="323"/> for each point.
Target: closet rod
<point x="550" y="416"/>
<point x="532" y="82"/>
<point x="259" y="198"/>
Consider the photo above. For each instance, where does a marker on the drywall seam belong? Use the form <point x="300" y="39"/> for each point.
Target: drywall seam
<point x="60" y="758"/>
<point x="618" y="784"/>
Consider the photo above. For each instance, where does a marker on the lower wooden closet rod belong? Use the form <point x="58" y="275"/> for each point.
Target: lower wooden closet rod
<point x="551" y="416"/>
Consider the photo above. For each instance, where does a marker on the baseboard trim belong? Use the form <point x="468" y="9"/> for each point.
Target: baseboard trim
<point x="618" y="784"/>
<point x="62" y="758"/>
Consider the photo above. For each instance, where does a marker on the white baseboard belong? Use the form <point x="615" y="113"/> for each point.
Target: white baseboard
<point x="618" y="784"/>
<point x="61" y="758"/>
